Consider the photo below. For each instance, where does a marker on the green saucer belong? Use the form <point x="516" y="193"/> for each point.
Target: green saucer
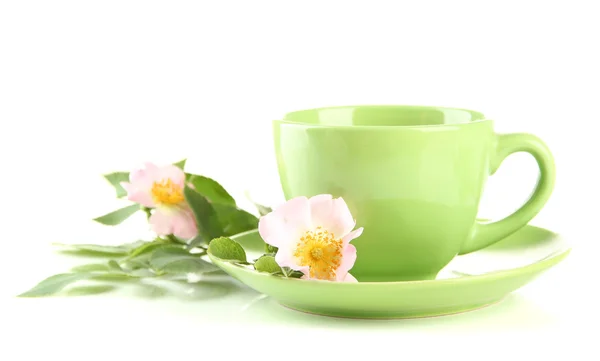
<point x="469" y="282"/>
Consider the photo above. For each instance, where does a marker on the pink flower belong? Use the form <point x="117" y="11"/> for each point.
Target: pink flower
<point x="162" y="188"/>
<point x="313" y="236"/>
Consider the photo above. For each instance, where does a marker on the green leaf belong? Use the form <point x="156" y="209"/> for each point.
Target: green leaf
<point x="94" y="249"/>
<point x="147" y="247"/>
<point x="133" y="245"/>
<point x="262" y="210"/>
<point x="189" y="266"/>
<point x="211" y="190"/>
<point x="114" y="266"/>
<point x="139" y="258"/>
<point x="118" y="216"/>
<point x="166" y="255"/>
<point x="207" y="218"/>
<point x="234" y="220"/>
<point x="117" y="277"/>
<point x="91" y="267"/>
<point x="178" y="260"/>
<point x="89" y="290"/>
<point x="142" y="262"/>
<point x="267" y="264"/>
<point x="227" y="249"/>
<point x="53" y="284"/>
<point x="271" y="249"/>
<point x="150" y="291"/>
<point x="196" y="242"/>
<point x="142" y="272"/>
<point x="115" y="180"/>
<point x="290" y="273"/>
<point x="113" y="271"/>
<point x="180" y="164"/>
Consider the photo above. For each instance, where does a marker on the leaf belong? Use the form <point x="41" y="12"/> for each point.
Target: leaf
<point x="113" y="271"/>
<point x="133" y="245"/>
<point x="207" y="218"/>
<point x="115" y="180"/>
<point x="180" y="164"/>
<point x="147" y="247"/>
<point x="136" y="263"/>
<point x="271" y="249"/>
<point x="95" y="248"/>
<point x="142" y="272"/>
<point x="211" y="190"/>
<point x="54" y="284"/>
<point x="118" y="277"/>
<point x="139" y="258"/>
<point x="90" y="290"/>
<point x="118" y="216"/>
<point x="267" y="264"/>
<point x="227" y="249"/>
<point x="150" y="291"/>
<point x="290" y="273"/>
<point x="91" y="267"/>
<point x="178" y="260"/>
<point x="189" y="266"/>
<point x="195" y="242"/>
<point x="234" y="220"/>
<point x="114" y="266"/>
<point x="262" y="210"/>
<point x="166" y="255"/>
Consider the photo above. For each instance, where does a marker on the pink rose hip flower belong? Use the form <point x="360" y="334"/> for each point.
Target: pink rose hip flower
<point x="162" y="188"/>
<point x="313" y="236"/>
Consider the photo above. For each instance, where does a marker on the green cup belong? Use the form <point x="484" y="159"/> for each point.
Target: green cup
<point x="412" y="176"/>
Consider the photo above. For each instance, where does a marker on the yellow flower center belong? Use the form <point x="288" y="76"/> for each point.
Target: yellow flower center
<point x="166" y="192"/>
<point x="321" y="252"/>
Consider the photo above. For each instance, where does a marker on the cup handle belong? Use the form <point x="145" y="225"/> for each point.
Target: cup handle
<point x="486" y="234"/>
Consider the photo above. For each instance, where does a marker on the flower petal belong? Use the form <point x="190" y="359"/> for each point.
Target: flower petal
<point x="320" y="208"/>
<point x="331" y="214"/>
<point x="172" y="172"/>
<point x="285" y="258"/>
<point x="144" y="177"/>
<point x="352" y="235"/>
<point x="184" y="224"/>
<point x="177" y="221"/>
<point x="286" y="224"/>
<point x="161" y="222"/>
<point x="348" y="259"/>
<point x="350" y="278"/>
<point x="137" y="195"/>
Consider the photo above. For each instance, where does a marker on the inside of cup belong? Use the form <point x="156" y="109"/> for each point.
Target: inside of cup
<point x="384" y="115"/>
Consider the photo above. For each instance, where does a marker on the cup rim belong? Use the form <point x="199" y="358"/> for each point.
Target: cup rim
<point x="366" y="126"/>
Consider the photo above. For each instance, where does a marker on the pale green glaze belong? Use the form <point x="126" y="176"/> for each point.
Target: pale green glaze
<point x="414" y="298"/>
<point x="412" y="177"/>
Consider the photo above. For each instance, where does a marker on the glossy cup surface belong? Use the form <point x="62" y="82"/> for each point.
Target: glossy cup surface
<point x="411" y="175"/>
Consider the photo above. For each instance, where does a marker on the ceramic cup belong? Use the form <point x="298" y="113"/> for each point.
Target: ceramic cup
<point x="412" y="176"/>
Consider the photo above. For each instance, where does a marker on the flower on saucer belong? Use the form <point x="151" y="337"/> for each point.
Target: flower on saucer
<point x="313" y="236"/>
<point x="161" y="188"/>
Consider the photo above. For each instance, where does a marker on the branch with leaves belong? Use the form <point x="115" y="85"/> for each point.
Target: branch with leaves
<point x="191" y="214"/>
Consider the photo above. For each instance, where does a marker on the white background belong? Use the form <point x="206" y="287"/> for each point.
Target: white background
<point x="89" y="87"/>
